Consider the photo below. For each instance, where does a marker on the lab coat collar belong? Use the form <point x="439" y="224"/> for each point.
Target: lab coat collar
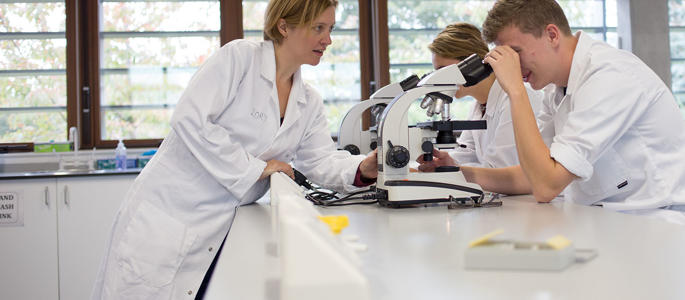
<point x="493" y="99"/>
<point x="296" y="101"/>
<point x="297" y="93"/>
<point x="268" y="59"/>
<point x="268" y="71"/>
<point x="580" y="58"/>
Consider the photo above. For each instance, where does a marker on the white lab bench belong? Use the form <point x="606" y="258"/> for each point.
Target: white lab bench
<point x="417" y="253"/>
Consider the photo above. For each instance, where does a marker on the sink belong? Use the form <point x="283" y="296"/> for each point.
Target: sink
<point x="75" y="163"/>
<point x="66" y="163"/>
<point x="28" y="167"/>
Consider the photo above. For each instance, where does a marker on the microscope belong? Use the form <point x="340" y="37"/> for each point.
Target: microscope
<point x="351" y="136"/>
<point x="399" y="143"/>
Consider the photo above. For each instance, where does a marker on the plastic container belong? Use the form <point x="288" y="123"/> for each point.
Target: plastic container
<point x="120" y="156"/>
<point x="106" y="164"/>
<point x="52" y="146"/>
<point x="145" y="158"/>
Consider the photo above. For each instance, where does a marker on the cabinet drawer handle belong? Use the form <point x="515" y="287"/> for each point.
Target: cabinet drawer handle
<point x="47" y="196"/>
<point x="66" y="195"/>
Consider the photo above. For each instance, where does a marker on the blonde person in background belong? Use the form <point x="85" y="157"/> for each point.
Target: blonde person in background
<point x="245" y="115"/>
<point x="494" y="147"/>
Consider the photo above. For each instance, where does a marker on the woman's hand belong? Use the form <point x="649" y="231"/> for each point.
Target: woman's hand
<point x="506" y="64"/>
<point x="274" y="166"/>
<point x="440" y="158"/>
<point x="369" y="166"/>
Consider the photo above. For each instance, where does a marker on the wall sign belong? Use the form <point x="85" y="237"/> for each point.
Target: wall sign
<point x="10" y="212"/>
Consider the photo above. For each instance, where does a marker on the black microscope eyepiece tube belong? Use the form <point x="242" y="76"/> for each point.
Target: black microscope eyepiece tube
<point x="474" y="70"/>
<point x="409" y="82"/>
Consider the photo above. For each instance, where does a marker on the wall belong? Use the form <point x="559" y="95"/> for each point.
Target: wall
<point x="643" y="30"/>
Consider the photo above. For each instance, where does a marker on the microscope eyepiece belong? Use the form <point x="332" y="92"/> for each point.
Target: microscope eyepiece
<point x="474" y="70"/>
<point x="410" y="82"/>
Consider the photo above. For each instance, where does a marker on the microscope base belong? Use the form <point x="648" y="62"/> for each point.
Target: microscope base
<point x="423" y="188"/>
<point x="408" y="203"/>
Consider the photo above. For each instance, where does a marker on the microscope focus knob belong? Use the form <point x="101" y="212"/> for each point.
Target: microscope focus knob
<point x="373" y="145"/>
<point x="427" y="146"/>
<point x="354" y="150"/>
<point x="398" y="157"/>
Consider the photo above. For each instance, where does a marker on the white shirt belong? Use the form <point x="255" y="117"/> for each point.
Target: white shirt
<point x="494" y="147"/>
<point x="224" y="129"/>
<point x="618" y="128"/>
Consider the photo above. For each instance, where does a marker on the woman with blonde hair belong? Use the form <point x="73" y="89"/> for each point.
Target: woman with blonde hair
<point x="245" y="115"/>
<point x="494" y="147"/>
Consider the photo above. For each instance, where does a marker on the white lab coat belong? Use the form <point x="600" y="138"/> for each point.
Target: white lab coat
<point x="224" y="129"/>
<point x="494" y="147"/>
<point x="619" y="129"/>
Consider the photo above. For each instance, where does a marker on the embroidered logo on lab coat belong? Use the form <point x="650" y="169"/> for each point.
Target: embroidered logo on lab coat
<point x="258" y="115"/>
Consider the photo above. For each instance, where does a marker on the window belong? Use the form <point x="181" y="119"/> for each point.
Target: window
<point x="412" y="27"/>
<point x="116" y="69"/>
<point x="149" y="51"/>
<point x="253" y="19"/>
<point x="596" y="17"/>
<point x="676" y="12"/>
<point x="33" y="81"/>
<point x="414" y="24"/>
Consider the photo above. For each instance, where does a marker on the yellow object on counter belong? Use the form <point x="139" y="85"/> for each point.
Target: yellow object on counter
<point x="335" y="223"/>
<point x="558" y="242"/>
<point x="485" y="238"/>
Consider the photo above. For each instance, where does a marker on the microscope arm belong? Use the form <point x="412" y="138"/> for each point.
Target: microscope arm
<point x="350" y="127"/>
<point x="394" y="128"/>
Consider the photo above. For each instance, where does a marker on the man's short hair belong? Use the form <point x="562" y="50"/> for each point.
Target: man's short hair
<point x="529" y="16"/>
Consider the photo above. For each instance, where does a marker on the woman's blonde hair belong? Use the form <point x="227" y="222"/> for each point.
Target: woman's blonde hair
<point x="458" y="41"/>
<point x="294" y="12"/>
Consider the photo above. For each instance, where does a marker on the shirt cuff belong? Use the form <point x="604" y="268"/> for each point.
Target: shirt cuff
<point x="573" y="162"/>
<point x="360" y="181"/>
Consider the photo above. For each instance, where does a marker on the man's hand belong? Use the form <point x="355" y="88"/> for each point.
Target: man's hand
<point x="274" y="166"/>
<point x="506" y="64"/>
<point x="440" y="158"/>
<point x="369" y="166"/>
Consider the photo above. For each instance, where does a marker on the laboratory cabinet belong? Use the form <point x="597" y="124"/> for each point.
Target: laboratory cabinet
<point x="56" y="252"/>
<point x="28" y="258"/>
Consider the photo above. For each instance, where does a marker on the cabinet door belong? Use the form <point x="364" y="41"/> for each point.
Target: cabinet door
<point x="28" y="245"/>
<point x="87" y="206"/>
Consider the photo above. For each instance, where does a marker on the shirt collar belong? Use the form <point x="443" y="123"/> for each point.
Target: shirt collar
<point x="494" y="97"/>
<point x="580" y="59"/>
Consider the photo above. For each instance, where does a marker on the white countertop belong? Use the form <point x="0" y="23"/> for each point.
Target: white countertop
<point x="417" y="253"/>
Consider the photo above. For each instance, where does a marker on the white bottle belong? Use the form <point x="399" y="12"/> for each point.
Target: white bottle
<point x="120" y="156"/>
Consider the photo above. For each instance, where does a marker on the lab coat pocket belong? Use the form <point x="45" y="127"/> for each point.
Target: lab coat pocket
<point x="153" y="246"/>
<point x="611" y="176"/>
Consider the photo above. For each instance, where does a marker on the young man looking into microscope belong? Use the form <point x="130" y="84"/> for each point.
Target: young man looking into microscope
<point x="610" y="133"/>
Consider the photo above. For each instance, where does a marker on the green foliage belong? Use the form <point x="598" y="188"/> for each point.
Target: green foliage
<point x="32" y="91"/>
<point x="136" y="124"/>
<point x="435" y="14"/>
<point x="33" y="126"/>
